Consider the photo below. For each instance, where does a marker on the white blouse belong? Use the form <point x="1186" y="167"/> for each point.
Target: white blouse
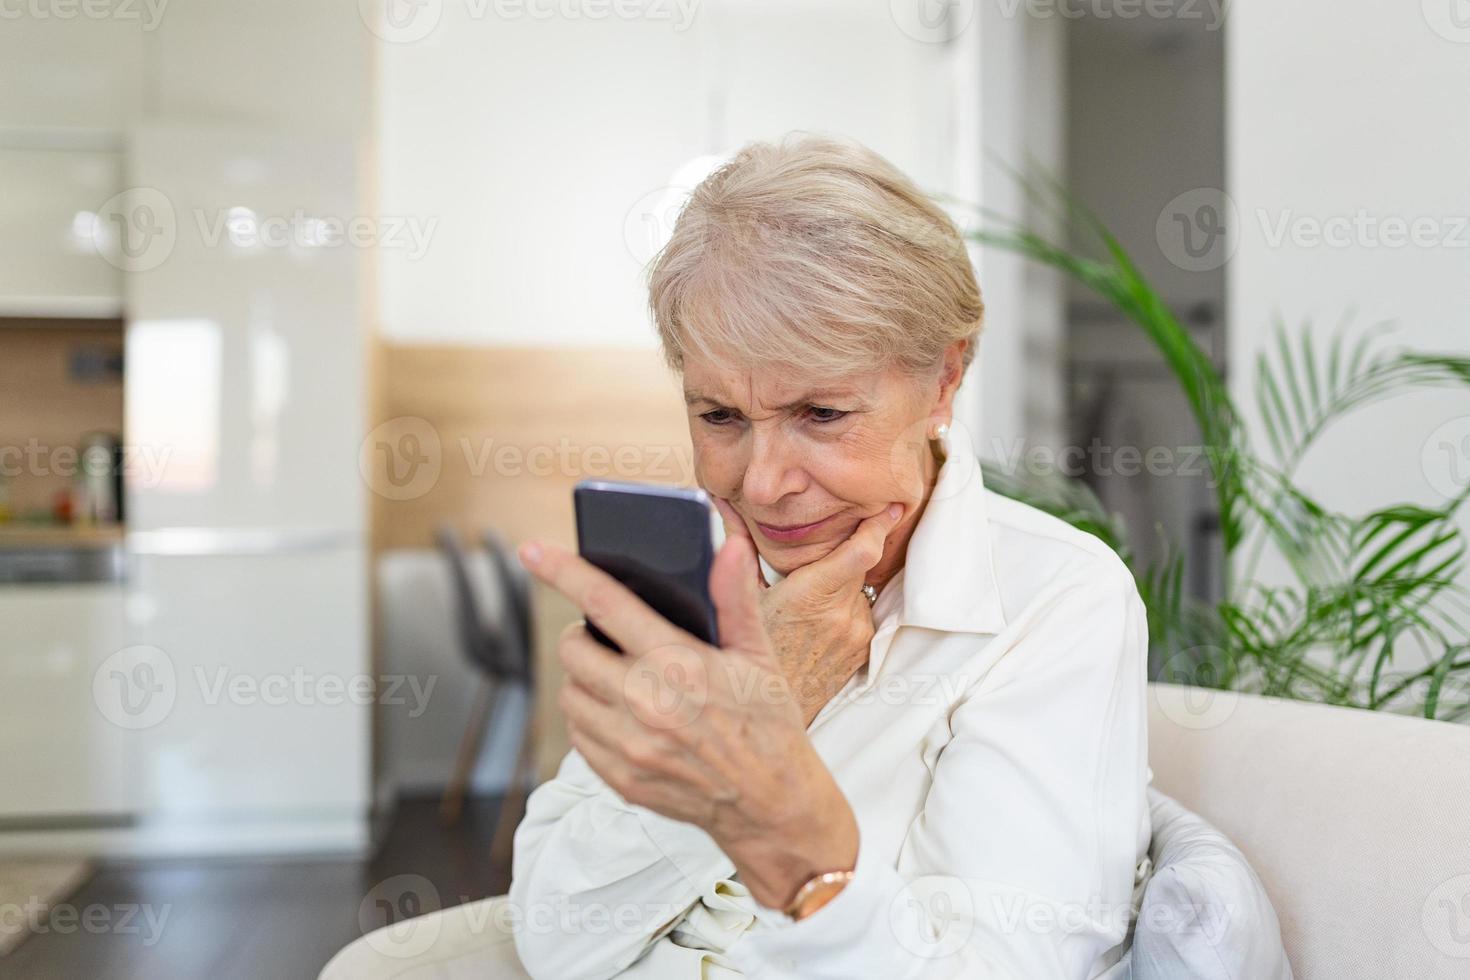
<point x="993" y="750"/>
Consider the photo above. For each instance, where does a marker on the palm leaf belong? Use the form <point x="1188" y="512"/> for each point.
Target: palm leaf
<point x="1299" y="395"/>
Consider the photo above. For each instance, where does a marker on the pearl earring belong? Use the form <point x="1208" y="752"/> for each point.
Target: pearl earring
<point x="940" y="431"/>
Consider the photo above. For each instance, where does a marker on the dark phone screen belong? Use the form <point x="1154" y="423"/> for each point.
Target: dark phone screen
<point x="655" y="540"/>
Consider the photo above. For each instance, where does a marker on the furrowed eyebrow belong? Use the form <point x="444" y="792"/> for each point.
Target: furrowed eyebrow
<point x="690" y="397"/>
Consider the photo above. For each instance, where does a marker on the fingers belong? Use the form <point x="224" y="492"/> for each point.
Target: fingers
<point x="602" y="758"/>
<point x="603" y="599"/>
<point x="600" y="672"/>
<point x="584" y="710"/>
<point x="851" y="560"/>
<point x="736" y="594"/>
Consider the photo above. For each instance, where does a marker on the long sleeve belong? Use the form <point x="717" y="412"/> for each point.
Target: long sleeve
<point x="1021" y="862"/>
<point x="595" y="881"/>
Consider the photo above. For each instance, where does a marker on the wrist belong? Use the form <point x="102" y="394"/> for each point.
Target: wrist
<point x="776" y="865"/>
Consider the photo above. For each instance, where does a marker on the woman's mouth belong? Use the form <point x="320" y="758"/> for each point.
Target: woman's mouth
<point x="792" y="532"/>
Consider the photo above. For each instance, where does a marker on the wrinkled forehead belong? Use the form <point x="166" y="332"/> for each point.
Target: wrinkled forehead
<point x="768" y="387"/>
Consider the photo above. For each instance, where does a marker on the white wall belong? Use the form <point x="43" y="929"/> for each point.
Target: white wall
<point x="1337" y="108"/>
<point x="539" y="146"/>
<point x="1019" y="115"/>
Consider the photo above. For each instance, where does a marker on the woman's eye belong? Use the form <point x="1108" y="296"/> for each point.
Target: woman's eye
<point x="820" y="414"/>
<point x="719" y="416"/>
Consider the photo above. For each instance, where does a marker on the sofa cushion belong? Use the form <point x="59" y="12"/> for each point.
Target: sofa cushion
<point x="1204" y="912"/>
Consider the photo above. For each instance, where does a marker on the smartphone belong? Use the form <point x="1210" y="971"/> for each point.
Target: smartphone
<point x="658" y="541"/>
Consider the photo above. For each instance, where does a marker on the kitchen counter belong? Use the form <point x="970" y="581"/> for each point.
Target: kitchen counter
<point x="17" y="535"/>
<point x="50" y="554"/>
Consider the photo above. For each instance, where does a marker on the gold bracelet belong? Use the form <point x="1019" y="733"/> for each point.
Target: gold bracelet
<point x="817" y="892"/>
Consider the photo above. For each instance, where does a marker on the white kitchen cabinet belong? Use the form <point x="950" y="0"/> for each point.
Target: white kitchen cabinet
<point x="67" y="71"/>
<point x="50" y="230"/>
<point x="63" y="757"/>
<point x="262" y="655"/>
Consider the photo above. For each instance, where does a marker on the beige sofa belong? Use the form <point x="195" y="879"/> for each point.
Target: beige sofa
<point x="1358" y="823"/>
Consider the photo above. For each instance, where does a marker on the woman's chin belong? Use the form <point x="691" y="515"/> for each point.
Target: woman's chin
<point x="787" y="556"/>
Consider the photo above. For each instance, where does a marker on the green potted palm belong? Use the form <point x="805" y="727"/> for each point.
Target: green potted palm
<point x="1364" y="590"/>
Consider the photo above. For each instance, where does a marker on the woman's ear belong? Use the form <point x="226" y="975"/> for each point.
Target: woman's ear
<point x="951" y="373"/>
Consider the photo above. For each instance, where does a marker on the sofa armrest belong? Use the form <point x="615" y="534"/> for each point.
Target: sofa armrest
<point x="1357" y="822"/>
<point x="467" y="942"/>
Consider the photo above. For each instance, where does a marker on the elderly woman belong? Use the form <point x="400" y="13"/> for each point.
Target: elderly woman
<point x="920" y="751"/>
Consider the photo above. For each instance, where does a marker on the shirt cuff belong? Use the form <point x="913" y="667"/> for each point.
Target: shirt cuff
<point x="691" y="850"/>
<point x="852" y="935"/>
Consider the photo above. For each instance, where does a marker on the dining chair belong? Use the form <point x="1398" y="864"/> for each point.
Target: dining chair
<point x="497" y="640"/>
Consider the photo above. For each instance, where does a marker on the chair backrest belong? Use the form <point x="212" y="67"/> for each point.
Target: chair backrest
<point x="494" y="644"/>
<point x="515" y="582"/>
<point x="1357" y="822"/>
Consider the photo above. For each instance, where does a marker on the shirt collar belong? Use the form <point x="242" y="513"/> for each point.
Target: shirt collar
<point x="948" y="578"/>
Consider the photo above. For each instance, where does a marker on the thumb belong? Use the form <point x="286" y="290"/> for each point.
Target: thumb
<point x="735" y="528"/>
<point x="736" y="594"/>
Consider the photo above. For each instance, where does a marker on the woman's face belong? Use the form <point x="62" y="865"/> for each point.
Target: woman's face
<point x="804" y="459"/>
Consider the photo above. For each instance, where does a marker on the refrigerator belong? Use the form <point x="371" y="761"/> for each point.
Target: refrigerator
<point x="245" y="604"/>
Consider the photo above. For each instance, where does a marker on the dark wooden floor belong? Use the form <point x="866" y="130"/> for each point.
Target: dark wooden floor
<point x="261" y="920"/>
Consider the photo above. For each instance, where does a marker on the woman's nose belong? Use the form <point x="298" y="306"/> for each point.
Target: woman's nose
<point x="772" y="471"/>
